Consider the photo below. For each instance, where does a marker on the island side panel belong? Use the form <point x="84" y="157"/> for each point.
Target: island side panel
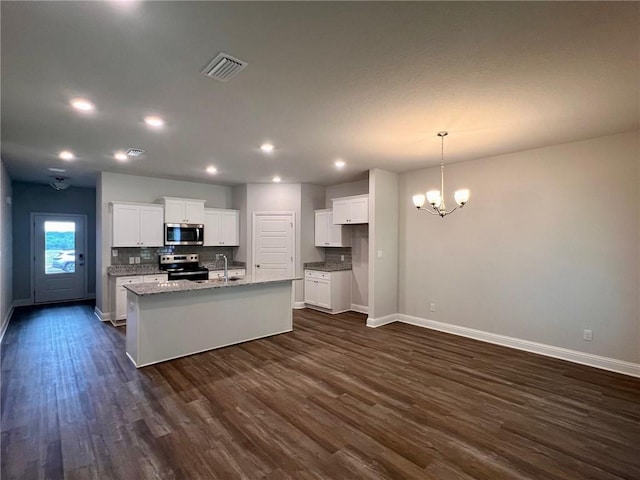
<point x="176" y="324"/>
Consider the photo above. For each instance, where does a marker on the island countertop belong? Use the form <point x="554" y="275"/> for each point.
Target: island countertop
<point x="173" y="286"/>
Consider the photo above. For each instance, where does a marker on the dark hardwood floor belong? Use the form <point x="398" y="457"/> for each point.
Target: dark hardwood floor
<point x="331" y="400"/>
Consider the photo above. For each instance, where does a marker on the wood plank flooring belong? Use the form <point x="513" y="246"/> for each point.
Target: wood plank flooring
<point x="331" y="400"/>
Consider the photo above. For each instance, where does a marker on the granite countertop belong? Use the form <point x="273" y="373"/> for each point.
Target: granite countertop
<point x="142" y="289"/>
<point x="328" y="266"/>
<point x="153" y="269"/>
<point x="131" y="270"/>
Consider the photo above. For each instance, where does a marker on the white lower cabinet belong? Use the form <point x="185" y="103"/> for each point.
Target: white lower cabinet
<point x="328" y="291"/>
<point x="119" y="294"/>
<point x="219" y="274"/>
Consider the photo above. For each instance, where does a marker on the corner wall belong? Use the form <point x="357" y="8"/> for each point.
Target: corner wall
<point x="6" y="249"/>
<point x="548" y="246"/>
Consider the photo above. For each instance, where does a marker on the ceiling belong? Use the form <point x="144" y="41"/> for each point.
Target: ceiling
<point x="370" y="83"/>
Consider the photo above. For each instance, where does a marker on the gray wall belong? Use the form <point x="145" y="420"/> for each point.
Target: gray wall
<point x="6" y="248"/>
<point x="312" y="199"/>
<point x="38" y="198"/>
<point x="383" y="237"/>
<point x="359" y="187"/>
<point x="129" y="188"/>
<point x="547" y="246"/>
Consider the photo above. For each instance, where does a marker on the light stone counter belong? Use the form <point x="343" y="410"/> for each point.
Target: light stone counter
<point x="178" y="318"/>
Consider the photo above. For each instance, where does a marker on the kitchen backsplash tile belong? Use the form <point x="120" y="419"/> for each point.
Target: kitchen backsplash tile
<point x="150" y="255"/>
<point x="334" y="255"/>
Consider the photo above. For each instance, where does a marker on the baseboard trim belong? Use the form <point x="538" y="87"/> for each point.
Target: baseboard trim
<point x="298" y="305"/>
<point x="378" y="322"/>
<point x="6" y="321"/>
<point x="574" y="356"/>
<point x="22" y="302"/>
<point x="360" y="308"/>
<point x="102" y="316"/>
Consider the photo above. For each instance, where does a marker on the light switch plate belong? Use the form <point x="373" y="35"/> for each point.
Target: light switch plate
<point x="379" y="253"/>
<point x="114" y="253"/>
<point x="132" y="260"/>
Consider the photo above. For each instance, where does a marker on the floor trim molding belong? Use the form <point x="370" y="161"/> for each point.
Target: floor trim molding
<point x="102" y="316"/>
<point x="378" y="322"/>
<point x="22" y="302"/>
<point x="6" y="321"/>
<point x="360" y="308"/>
<point x="574" y="356"/>
<point x="298" y="305"/>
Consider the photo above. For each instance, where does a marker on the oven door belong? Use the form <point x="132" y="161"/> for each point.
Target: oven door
<point x="189" y="275"/>
<point x="183" y="234"/>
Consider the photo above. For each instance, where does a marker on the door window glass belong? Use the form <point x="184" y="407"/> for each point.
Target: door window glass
<point x="59" y="246"/>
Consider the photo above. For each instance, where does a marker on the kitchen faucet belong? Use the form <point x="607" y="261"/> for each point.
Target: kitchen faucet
<point x="226" y="268"/>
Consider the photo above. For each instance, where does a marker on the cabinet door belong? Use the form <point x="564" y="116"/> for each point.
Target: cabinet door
<point x="311" y="291"/>
<point x="193" y="212"/>
<point x="230" y="228"/>
<point x="324" y="293"/>
<point x="322" y="233"/>
<point x="151" y="226"/>
<point x="359" y="211"/>
<point x="174" y="211"/>
<point x="126" y="226"/>
<point x="211" y="227"/>
<point x="341" y="212"/>
<point x="339" y="236"/>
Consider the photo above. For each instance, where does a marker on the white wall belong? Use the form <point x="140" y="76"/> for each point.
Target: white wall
<point x="547" y="246"/>
<point x="117" y="187"/>
<point x="359" y="187"/>
<point x="383" y="237"/>
<point x="6" y="249"/>
<point x="312" y="199"/>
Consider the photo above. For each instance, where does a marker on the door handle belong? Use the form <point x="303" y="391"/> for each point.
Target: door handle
<point x="81" y="259"/>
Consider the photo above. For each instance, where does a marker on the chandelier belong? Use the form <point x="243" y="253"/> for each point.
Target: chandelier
<point x="435" y="197"/>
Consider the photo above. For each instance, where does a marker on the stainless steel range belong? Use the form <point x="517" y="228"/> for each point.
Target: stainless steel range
<point x="183" y="266"/>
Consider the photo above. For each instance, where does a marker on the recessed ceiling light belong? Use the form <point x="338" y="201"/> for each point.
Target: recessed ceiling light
<point x="82" y="104"/>
<point x="339" y="163"/>
<point x="57" y="170"/>
<point x="154" y="121"/>
<point x="211" y="169"/>
<point x="266" y="147"/>
<point x="277" y="179"/>
<point x="66" y="155"/>
<point x="135" y="152"/>
<point x="120" y="156"/>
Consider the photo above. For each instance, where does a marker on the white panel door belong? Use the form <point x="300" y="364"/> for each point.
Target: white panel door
<point x="310" y="291"/>
<point x="194" y="212"/>
<point x="174" y="210"/>
<point x="59" y="253"/>
<point x="341" y="211"/>
<point x="273" y="246"/>
<point x="126" y="225"/>
<point x="324" y="293"/>
<point x="322" y="234"/>
<point x="360" y="210"/>
<point x="212" y="232"/>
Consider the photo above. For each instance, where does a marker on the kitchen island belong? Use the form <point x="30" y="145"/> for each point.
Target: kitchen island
<point x="173" y="319"/>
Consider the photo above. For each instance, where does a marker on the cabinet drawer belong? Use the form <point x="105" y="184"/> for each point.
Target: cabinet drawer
<point x="127" y="280"/>
<point x="317" y="274"/>
<point x="163" y="277"/>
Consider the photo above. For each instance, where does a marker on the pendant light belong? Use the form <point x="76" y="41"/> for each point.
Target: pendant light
<point x="436" y="197"/>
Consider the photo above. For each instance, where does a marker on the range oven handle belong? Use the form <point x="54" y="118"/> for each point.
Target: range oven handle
<point x="175" y="269"/>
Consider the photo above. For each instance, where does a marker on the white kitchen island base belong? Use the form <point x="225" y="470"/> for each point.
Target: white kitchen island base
<point x="172" y="324"/>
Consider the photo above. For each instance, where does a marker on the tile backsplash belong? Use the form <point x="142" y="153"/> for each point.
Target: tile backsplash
<point x="150" y="255"/>
<point x="333" y="254"/>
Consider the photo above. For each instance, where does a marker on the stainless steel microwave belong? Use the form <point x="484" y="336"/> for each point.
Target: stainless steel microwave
<point x="183" y="234"/>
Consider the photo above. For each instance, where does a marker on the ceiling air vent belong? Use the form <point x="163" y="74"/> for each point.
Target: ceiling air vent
<point x="134" y="152"/>
<point x="224" y="67"/>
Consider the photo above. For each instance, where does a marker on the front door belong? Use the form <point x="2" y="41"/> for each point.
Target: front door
<point x="273" y="245"/>
<point x="59" y="257"/>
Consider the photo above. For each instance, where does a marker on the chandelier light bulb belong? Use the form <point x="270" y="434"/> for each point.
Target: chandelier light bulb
<point x="434" y="198"/>
<point x="461" y="196"/>
<point x="418" y="200"/>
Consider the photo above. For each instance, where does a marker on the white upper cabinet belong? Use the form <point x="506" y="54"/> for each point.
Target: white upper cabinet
<point x="328" y="234"/>
<point x="183" y="210"/>
<point x="137" y="225"/>
<point x="350" y="210"/>
<point x="221" y="227"/>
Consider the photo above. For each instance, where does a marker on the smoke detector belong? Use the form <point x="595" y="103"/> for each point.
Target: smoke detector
<point x="224" y="67"/>
<point x="58" y="183"/>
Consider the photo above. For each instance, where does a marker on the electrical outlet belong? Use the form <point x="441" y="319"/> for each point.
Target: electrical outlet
<point x="114" y="253"/>
<point x="342" y="258"/>
<point x="587" y="335"/>
<point x="432" y="307"/>
<point x="379" y="253"/>
<point x="137" y="259"/>
<point x="132" y="260"/>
